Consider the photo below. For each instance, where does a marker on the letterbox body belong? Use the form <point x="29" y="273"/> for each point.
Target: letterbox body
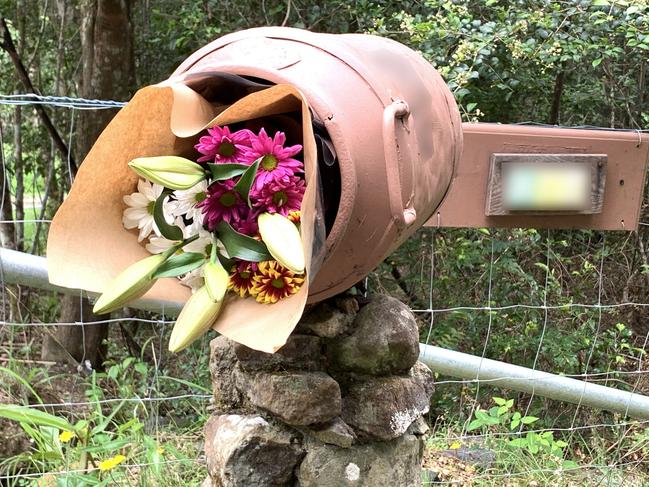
<point x="393" y="122"/>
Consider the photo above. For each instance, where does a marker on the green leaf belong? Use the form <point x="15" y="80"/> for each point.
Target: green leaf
<point x="220" y="172"/>
<point x="245" y="183"/>
<point x="27" y="415"/>
<point x="500" y="401"/>
<point x="510" y="403"/>
<point x="601" y="3"/>
<point x="241" y="246"/>
<point x="99" y="428"/>
<point x="502" y="410"/>
<point x="475" y="424"/>
<point x="514" y="424"/>
<point x="178" y="265"/>
<point x="493" y="421"/>
<point x="226" y="262"/>
<point x="171" y="232"/>
<point x="481" y="415"/>
<point x="597" y="62"/>
<point x="529" y="419"/>
<point x="22" y="381"/>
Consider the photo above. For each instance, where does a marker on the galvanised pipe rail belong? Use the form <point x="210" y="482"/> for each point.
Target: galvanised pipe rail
<point x="502" y="374"/>
<point x="31" y="270"/>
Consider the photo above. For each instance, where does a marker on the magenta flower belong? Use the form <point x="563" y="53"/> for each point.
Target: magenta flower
<point x="247" y="224"/>
<point x="276" y="160"/>
<point x="280" y="195"/>
<point x="221" y="146"/>
<point x="222" y="203"/>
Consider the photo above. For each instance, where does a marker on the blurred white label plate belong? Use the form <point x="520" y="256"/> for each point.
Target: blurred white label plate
<point x="546" y="187"/>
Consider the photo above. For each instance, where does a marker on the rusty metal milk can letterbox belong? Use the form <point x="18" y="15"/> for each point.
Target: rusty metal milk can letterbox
<point x="394" y="124"/>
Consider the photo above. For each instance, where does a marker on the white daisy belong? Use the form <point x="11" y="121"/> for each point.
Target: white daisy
<point x="139" y="213"/>
<point x="186" y="201"/>
<point x="204" y="241"/>
<point x="157" y="245"/>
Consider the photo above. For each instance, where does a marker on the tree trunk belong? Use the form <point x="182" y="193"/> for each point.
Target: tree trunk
<point x="7" y="230"/>
<point x="19" y="178"/>
<point x="107" y="72"/>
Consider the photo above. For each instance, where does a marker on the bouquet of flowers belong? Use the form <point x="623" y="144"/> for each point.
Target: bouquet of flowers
<point x="225" y="222"/>
<point x="224" y="217"/>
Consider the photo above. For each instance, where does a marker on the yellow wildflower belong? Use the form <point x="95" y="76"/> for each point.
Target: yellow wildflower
<point x="111" y="463"/>
<point x="66" y="436"/>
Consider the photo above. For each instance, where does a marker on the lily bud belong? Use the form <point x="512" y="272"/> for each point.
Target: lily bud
<point x="171" y="172"/>
<point x="130" y="284"/>
<point x="196" y="317"/>
<point x="216" y="280"/>
<point x="282" y="238"/>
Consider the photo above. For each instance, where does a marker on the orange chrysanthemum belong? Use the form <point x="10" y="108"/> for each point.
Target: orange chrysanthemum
<point x="241" y="279"/>
<point x="273" y="282"/>
<point x="294" y="216"/>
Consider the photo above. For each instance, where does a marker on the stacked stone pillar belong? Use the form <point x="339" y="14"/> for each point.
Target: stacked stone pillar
<point x="341" y="404"/>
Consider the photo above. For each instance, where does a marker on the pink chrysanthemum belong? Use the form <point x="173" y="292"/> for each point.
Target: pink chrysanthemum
<point x="222" y="203"/>
<point x="247" y="224"/>
<point x="221" y="146"/>
<point x="276" y="160"/>
<point x="281" y="196"/>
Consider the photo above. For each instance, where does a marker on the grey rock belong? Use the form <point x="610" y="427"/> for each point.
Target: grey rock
<point x="246" y="450"/>
<point x="209" y="482"/>
<point x="395" y="463"/>
<point x="384" y="407"/>
<point x="301" y="352"/>
<point x="297" y="398"/>
<point x="419" y="427"/>
<point x="384" y="340"/>
<point x="422" y="374"/>
<point x="346" y="304"/>
<point x="222" y="362"/>
<point x="326" y="321"/>
<point x="336" y="432"/>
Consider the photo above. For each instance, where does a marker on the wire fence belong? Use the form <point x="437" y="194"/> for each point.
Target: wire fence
<point x="497" y="294"/>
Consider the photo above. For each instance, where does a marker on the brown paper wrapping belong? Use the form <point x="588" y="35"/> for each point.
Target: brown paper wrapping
<point x="87" y="243"/>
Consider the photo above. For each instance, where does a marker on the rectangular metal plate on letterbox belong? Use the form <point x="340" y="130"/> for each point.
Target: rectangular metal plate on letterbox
<point x="627" y="155"/>
<point x="546" y="184"/>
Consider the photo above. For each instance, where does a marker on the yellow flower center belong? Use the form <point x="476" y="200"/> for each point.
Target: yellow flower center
<point x="269" y="162"/>
<point x="228" y="199"/>
<point x="226" y="149"/>
<point x="280" y="198"/>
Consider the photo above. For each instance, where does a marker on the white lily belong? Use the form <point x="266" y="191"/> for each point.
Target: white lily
<point x="197" y="316"/>
<point x="130" y="284"/>
<point x="282" y="238"/>
<point x="172" y="172"/>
